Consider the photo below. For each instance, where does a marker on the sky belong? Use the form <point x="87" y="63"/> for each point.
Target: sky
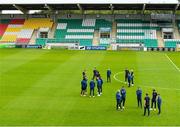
<point x="85" y="1"/>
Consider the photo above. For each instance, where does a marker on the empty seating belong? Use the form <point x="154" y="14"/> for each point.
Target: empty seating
<point x="10" y="35"/>
<point x="81" y="30"/>
<point x="79" y="37"/>
<point x="17" y="21"/>
<point x="89" y="22"/>
<point x="5" y="21"/>
<point x="171" y="43"/>
<point x="30" y="25"/>
<point x="103" y="23"/>
<point x="134" y="31"/>
<point x="21" y="30"/>
<point x="2" y="29"/>
<point x="61" y="26"/>
<point x="75" y="30"/>
<point x="22" y="40"/>
<point x="9" y="38"/>
<point x="104" y="42"/>
<point x="36" y="23"/>
<point x="24" y="35"/>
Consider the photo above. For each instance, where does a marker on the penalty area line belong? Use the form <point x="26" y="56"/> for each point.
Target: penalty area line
<point x="172" y="62"/>
<point x="118" y="80"/>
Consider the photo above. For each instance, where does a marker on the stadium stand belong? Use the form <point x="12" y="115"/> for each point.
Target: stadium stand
<point x="21" y="30"/>
<point x="79" y="30"/>
<point x="2" y="29"/>
<point x="24" y="35"/>
<point x="17" y="21"/>
<point x="76" y="29"/>
<point x="12" y="30"/>
<point x="137" y="31"/>
<point x="36" y="23"/>
<point x="128" y="31"/>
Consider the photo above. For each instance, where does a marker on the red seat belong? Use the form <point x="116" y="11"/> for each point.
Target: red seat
<point x="17" y="21"/>
<point x="23" y="40"/>
<point x="3" y="28"/>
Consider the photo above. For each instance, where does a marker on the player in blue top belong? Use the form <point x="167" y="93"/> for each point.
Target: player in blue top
<point x="153" y="101"/>
<point x="123" y="96"/>
<point x="83" y="87"/>
<point x="92" y="85"/>
<point x="159" y="102"/>
<point x="139" y="97"/>
<point x="146" y="104"/>
<point x="108" y="75"/>
<point x="118" y="100"/>
<point x="99" y="86"/>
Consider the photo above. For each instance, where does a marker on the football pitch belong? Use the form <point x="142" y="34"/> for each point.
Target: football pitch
<point x="42" y="87"/>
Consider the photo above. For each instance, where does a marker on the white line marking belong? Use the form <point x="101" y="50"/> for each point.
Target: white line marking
<point x="172" y="62"/>
<point x="115" y="77"/>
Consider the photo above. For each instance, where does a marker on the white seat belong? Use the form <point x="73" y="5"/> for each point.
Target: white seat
<point x="61" y="26"/>
<point x="25" y="33"/>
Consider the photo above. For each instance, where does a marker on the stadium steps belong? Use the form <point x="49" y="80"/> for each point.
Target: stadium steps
<point x="114" y="30"/>
<point x="33" y="38"/>
<point x="176" y="31"/>
<point x="96" y="38"/>
<point x="52" y="32"/>
<point x="160" y="39"/>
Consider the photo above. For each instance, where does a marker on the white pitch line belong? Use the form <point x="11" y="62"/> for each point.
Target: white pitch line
<point x="172" y="62"/>
<point x="117" y="78"/>
<point x="143" y="85"/>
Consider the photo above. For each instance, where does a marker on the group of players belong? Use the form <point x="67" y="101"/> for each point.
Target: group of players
<point x="129" y="77"/>
<point x="121" y="94"/>
<point x="156" y="99"/>
<point x="96" y="78"/>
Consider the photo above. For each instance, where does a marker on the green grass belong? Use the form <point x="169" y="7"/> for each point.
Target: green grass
<point x="42" y="87"/>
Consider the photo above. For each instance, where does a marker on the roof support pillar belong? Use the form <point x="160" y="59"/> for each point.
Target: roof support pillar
<point x="144" y="8"/>
<point x="49" y="7"/>
<point x="23" y="10"/>
<point x="175" y="9"/>
<point x="80" y="8"/>
<point x="112" y="8"/>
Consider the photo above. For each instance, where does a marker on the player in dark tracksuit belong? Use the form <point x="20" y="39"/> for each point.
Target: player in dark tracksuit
<point x="95" y="73"/>
<point x="159" y="102"/>
<point x="118" y="100"/>
<point x="146" y="104"/>
<point x="123" y="96"/>
<point x="126" y="75"/>
<point x="139" y="97"/>
<point x="129" y="79"/>
<point x="153" y="101"/>
<point x="132" y="77"/>
<point x="83" y="87"/>
<point x="84" y="74"/>
<point x="99" y="86"/>
<point x="108" y="75"/>
<point x="92" y="85"/>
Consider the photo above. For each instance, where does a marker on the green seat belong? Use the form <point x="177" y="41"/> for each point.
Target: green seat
<point x="171" y="44"/>
<point x="5" y="21"/>
<point x="41" y="41"/>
